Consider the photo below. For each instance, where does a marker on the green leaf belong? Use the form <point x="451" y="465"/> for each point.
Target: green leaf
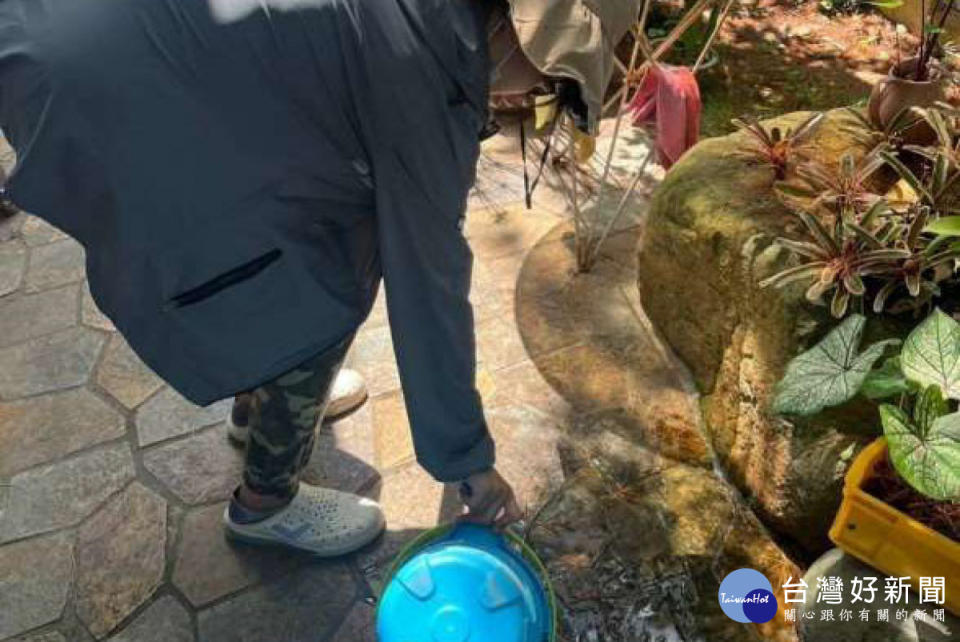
<point x="830" y="373"/>
<point x="930" y="461"/>
<point x="818" y="232"/>
<point x="808" y="127"/>
<point x="929" y="406"/>
<point x="907" y="174"/>
<point x="879" y="208"/>
<point x="796" y="191"/>
<point x="865" y="236"/>
<point x="880" y="302"/>
<point x="887" y="381"/>
<point x="886" y="4"/>
<point x="803" y="248"/>
<point x="931" y="354"/>
<point x="792" y="275"/>
<point x="945" y="226"/>
<point x="840" y="302"/>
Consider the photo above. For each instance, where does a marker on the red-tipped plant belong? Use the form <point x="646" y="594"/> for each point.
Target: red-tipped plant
<point x="776" y="147"/>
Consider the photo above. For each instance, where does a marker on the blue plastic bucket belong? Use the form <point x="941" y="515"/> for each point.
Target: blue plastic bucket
<point x="467" y="584"/>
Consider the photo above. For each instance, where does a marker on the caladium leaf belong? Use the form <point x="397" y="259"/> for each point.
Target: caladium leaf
<point x="929" y="406"/>
<point x="931" y="354"/>
<point x="929" y="462"/>
<point x="830" y="373"/>
<point x="887" y="381"/>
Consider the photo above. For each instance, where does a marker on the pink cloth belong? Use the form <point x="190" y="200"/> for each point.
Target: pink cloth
<point x="669" y="100"/>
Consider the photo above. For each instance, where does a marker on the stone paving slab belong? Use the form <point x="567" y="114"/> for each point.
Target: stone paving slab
<point x="13" y="263"/>
<point x="52" y="636"/>
<point x="55" y="264"/>
<point x="35" y="232"/>
<point x="522" y="383"/>
<point x="125" y="376"/>
<point x="199" y="469"/>
<point x="91" y="315"/>
<point x="62" y="494"/>
<point x="40" y="429"/>
<point x="166" y="620"/>
<point x="307" y="605"/>
<point x="359" y="625"/>
<point x="372" y="356"/>
<point x="502" y="231"/>
<point x="527" y="452"/>
<point x="35" y="577"/>
<point x="120" y="558"/>
<point x="499" y="344"/>
<point x="209" y="567"/>
<point x="54" y="362"/>
<point x="10" y="227"/>
<point x="344" y="455"/>
<point x="413" y="502"/>
<point x="35" y="315"/>
<point x="167" y="414"/>
<point x="394" y="442"/>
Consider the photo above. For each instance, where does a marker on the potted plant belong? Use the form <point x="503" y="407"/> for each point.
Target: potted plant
<point x="901" y="505"/>
<point x="916" y="81"/>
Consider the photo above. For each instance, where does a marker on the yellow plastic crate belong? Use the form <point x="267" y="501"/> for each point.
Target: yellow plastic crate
<point x="889" y="540"/>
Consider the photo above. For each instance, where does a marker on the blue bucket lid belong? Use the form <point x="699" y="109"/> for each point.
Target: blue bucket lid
<point x="469" y="585"/>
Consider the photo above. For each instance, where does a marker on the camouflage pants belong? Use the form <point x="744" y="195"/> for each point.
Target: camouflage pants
<point x="282" y="416"/>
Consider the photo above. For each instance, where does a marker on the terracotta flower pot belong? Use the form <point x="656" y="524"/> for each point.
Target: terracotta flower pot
<point x="897" y="91"/>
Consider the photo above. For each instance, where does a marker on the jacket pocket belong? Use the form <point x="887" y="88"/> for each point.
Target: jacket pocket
<point x="221" y="282"/>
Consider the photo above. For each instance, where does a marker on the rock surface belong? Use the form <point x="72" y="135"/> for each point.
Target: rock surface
<point x="710" y="236"/>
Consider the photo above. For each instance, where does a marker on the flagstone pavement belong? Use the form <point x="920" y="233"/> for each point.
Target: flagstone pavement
<point x="112" y="485"/>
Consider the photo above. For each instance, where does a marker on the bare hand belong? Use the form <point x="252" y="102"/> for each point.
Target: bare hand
<point x="489" y="500"/>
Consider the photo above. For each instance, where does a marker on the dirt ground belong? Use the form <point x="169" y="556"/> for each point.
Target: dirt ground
<point x="778" y="56"/>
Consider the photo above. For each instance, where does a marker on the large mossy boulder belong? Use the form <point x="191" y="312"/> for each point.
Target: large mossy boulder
<point x="709" y="240"/>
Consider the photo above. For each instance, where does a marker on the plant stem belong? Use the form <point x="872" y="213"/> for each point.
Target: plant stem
<point x="923" y="39"/>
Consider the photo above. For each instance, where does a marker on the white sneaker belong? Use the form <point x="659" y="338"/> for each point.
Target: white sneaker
<point x="322" y="521"/>
<point x="348" y="393"/>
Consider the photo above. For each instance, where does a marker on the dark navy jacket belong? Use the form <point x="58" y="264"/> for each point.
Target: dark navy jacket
<point x="241" y="180"/>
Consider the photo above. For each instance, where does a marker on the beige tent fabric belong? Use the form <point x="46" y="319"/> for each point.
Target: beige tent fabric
<point x="575" y="39"/>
